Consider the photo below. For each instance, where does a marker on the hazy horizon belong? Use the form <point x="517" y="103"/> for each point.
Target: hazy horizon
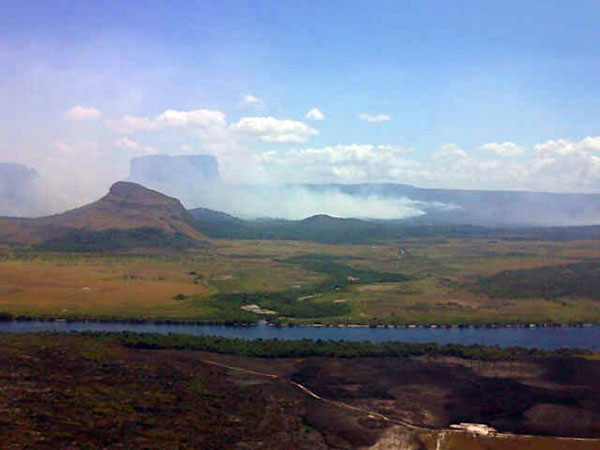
<point x="198" y="185"/>
<point x="494" y="96"/>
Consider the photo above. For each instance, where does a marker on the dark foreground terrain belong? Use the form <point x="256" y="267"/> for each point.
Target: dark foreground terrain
<point x="80" y="392"/>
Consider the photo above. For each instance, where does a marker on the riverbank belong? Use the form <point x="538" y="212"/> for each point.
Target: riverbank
<point x="541" y="338"/>
<point x="7" y="317"/>
<point x="276" y="348"/>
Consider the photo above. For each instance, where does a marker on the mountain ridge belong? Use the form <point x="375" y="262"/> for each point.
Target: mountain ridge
<point x="328" y="229"/>
<point x="127" y="206"/>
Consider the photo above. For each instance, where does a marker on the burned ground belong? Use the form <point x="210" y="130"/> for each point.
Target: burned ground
<point x="68" y="392"/>
<point x="61" y="391"/>
<point x="439" y="393"/>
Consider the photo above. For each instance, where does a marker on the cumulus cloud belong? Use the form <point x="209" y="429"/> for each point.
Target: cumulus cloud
<point x="212" y="126"/>
<point x="345" y="163"/>
<point x="210" y="133"/>
<point x="197" y="117"/>
<point x="249" y="101"/>
<point x="503" y="148"/>
<point x="137" y="149"/>
<point x="449" y="152"/>
<point x="270" y="129"/>
<point x="566" y="164"/>
<point x="562" y="147"/>
<point x="315" y="114"/>
<point x="83" y="113"/>
<point x="170" y="118"/>
<point x="336" y="154"/>
<point x="131" y="124"/>
<point x="557" y="165"/>
<point x="374" y="117"/>
<point x="127" y="142"/>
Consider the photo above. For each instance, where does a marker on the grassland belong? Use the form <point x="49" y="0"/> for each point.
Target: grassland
<point x="418" y="280"/>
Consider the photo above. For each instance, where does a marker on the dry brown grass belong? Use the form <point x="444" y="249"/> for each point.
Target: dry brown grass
<point x="92" y="285"/>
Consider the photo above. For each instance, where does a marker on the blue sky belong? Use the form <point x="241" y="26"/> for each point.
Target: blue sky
<point x="478" y="94"/>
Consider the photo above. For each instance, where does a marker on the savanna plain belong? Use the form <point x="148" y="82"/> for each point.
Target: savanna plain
<point x="432" y="281"/>
<point x="103" y="390"/>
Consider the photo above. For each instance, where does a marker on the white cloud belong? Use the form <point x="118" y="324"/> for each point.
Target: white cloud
<point x="315" y="114"/>
<point x="555" y="165"/>
<point x="197" y="117"/>
<point x="250" y="100"/>
<point x="374" y="117"/>
<point x="589" y="145"/>
<point x="270" y="129"/>
<point x="346" y="163"/>
<point x="566" y="165"/>
<point x="134" y="147"/>
<point x="131" y="124"/>
<point x="211" y="126"/>
<point x="207" y="131"/>
<point x="558" y="165"/>
<point x="449" y="152"/>
<point x="127" y="142"/>
<point x="336" y="154"/>
<point x="83" y="113"/>
<point x="503" y="148"/>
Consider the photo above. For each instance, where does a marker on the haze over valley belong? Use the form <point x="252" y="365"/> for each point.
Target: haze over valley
<point x="196" y="181"/>
<point x="300" y="225"/>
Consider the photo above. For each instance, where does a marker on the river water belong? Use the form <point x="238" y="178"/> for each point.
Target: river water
<point x="547" y="338"/>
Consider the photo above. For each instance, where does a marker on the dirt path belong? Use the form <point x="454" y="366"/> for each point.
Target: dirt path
<point x="316" y="396"/>
<point x="374" y="414"/>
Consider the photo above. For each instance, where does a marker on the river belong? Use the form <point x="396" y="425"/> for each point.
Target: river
<point x="547" y="338"/>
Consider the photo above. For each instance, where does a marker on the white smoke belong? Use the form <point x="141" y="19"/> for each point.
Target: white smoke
<point x="296" y="203"/>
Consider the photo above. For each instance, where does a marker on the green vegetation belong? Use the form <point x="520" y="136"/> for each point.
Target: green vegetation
<point x="286" y="303"/>
<point x="341" y="275"/>
<point x="275" y="348"/>
<point x="581" y="279"/>
<point x="412" y="281"/>
<point x="302" y="303"/>
<point x="332" y="230"/>
<point x="112" y="240"/>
